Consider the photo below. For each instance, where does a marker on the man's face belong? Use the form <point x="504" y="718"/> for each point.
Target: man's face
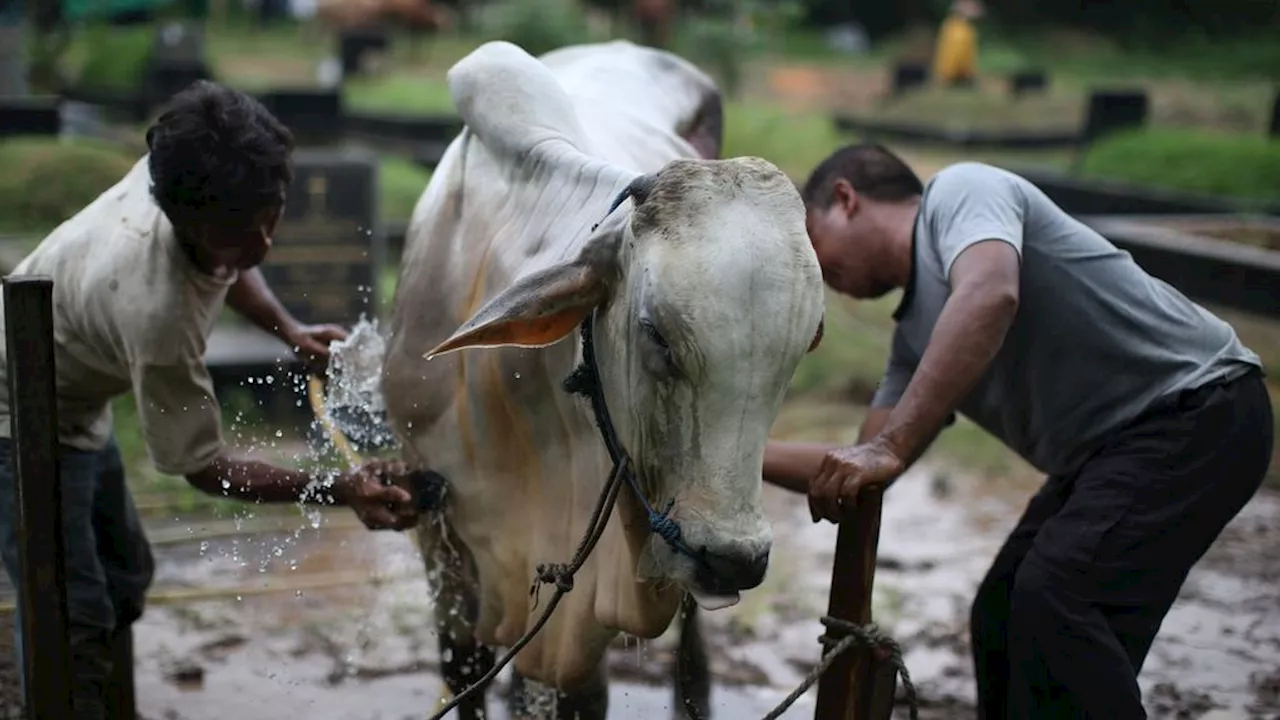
<point x="238" y="244"/>
<point x="843" y="240"/>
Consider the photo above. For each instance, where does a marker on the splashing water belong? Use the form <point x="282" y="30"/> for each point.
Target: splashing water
<point x="354" y="366"/>
<point x="353" y="396"/>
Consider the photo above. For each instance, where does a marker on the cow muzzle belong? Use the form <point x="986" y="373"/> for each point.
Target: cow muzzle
<point x="718" y="570"/>
<point x="731" y="568"/>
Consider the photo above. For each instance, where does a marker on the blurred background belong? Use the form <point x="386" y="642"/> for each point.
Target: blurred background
<point x="1158" y="119"/>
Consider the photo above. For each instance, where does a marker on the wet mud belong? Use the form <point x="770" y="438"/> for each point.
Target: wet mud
<point x="291" y="620"/>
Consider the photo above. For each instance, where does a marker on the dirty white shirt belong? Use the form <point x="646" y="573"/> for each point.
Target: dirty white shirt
<point x="131" y="312"/>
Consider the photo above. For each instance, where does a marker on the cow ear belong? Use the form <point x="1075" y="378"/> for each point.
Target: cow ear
<point x="541" y="308"/>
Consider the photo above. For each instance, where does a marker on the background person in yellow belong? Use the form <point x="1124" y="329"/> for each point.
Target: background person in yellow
<point x="140" y="275"/>
<point x="955" y="59"/>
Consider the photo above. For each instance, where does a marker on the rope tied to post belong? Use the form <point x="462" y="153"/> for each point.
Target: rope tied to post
<point x="841" y="637"/>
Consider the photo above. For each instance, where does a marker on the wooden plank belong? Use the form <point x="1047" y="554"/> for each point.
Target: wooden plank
<point x="46" y="645"/>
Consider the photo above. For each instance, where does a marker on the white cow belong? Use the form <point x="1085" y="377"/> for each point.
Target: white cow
<point x="707" y="294"/>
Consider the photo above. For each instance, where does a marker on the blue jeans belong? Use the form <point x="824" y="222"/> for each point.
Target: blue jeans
<point x="108" y="562"/>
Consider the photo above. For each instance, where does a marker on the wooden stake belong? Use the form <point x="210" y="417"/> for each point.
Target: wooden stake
<point x="846" y="689"/>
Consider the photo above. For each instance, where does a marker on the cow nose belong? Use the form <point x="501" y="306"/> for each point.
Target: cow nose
<point x="728" y="569"/>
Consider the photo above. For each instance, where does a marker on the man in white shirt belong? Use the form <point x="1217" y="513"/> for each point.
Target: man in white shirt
<point x="140" y="276"/>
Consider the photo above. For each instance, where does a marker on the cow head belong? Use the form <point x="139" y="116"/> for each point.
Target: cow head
<point x="708" y="295"/>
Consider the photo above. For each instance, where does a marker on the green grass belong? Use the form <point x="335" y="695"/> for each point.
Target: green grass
<point x="850" y="359"/>
<point x="45" y="181"/>
<point x="793" y="141"/>
<point x="110" y="58"/>
<point x="1188" y="160"/>
<point x="401" y="183"/>
<point x="1075" y="54"/>
<point x="401" y="92"/>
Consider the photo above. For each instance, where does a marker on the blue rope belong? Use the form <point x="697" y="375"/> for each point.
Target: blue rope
<point x="661" y="524"/>
<point x="585" y="380"/>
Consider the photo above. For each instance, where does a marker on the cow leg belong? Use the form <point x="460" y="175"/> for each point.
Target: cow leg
<point x="589" y="702"/>
<point x="692" y="670"/>
<point x="529" y="700"/>
<point x="463" y="661"/>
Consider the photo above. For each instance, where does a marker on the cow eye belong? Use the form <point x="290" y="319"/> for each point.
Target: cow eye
<point x="654" y="335"/>
<point x="659" y="349"/>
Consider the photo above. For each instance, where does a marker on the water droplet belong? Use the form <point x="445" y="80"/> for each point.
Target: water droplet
<point x="279" y="433"/>
<point x="517" y="376"/>
<point x="226" y="484"/>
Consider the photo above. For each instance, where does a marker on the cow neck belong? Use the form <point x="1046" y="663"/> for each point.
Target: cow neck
<point x="585" y="381"/>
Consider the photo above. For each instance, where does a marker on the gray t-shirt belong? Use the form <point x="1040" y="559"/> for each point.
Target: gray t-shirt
<point x="1095" y="341"/>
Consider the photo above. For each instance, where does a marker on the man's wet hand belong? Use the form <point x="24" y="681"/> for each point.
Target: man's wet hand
<point x="373" y="493"/>
<point x="311" y="344"/>
<point x="845" y="472"/>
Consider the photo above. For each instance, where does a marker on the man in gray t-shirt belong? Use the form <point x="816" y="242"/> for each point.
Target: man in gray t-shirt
<point x="1149" y="416"/>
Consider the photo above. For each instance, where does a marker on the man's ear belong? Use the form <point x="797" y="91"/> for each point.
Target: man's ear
<point x="845" y="196"/>
<point x="543" y="307"/>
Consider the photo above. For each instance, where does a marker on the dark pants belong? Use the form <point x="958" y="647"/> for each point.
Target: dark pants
<point x="108" y="561"/>
<point x="1065" y="616"/>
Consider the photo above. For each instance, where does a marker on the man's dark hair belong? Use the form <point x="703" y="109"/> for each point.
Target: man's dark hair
<point x="871" y="169"/>
<point x="218" y="155"/>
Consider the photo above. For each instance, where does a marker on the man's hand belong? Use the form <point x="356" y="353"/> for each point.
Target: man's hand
<point x="311" y="344"/>
<point x="372" y="493"/>
<point x="845" y="472"/>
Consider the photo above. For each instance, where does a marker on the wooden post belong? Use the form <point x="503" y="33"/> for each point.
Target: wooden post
<point x="46" y="646"/>
<point x="854" y="687"/>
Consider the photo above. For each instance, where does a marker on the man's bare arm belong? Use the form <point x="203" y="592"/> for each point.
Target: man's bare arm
<point x="967" y="336"/>
<point x="253" y="300"/>
<point x="790" y="465"/>
<point x="258" y="482"/>
<point x="373" y="491"/>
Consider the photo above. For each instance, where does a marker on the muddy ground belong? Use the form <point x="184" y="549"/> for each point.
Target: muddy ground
<point x="333" y="623"/>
